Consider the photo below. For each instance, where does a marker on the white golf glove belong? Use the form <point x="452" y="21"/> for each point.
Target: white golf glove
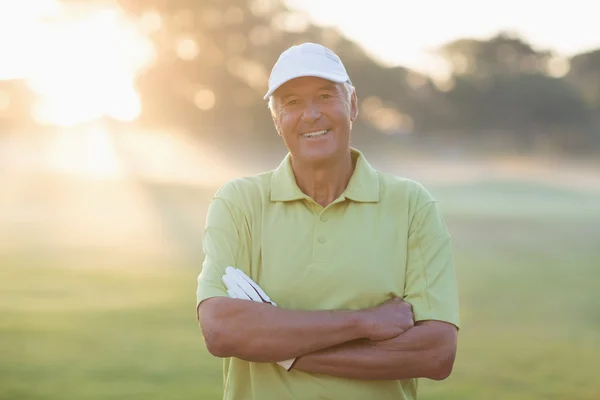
<point x="240" y="286"/>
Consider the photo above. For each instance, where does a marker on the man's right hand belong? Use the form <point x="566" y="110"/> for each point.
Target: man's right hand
<point x="387" y="320"/>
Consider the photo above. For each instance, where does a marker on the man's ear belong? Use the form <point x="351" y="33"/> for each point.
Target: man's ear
<point x="273" y="110"/>
<point x="276" y="123"/>
<point x="353" y="106"/>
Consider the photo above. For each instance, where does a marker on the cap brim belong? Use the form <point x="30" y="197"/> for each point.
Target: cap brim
<point x="338" y="78"/>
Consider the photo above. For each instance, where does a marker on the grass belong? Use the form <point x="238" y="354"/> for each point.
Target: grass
<point x="527" y="259"/>
<point x="104" y="334"/>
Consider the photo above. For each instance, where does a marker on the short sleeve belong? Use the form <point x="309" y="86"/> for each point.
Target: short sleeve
<point x="223" y="243"/>
<point x="430" y="284"/>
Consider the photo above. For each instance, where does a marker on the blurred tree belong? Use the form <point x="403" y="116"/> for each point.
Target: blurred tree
<point x="503" y="84"/>
<point x="584" y="73"/>
<point x="503" y="54"/>
<point x="214" y="58"/>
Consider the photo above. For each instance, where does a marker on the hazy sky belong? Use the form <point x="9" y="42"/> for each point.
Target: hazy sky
<point x="401" y="31"/>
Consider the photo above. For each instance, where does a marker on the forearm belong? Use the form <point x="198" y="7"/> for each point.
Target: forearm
<point x="421" y="352"/>
<point x="264" y="333"/>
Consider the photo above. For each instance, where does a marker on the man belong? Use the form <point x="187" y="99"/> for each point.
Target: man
<point x="358" y="262"/>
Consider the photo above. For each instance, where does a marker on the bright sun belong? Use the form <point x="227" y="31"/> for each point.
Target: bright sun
<point x="81" y="61"/>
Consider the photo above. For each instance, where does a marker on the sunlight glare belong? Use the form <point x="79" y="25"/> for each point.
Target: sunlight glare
<point x="82" y="65"/>
<point x="204" y="99"/>
<point x="150" y="22"/>
<point x="19" y="29"/>
<point x="87" y="151"/>
<point x="187" y="49"/>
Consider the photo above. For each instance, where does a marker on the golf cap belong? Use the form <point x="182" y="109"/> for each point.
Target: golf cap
<point x="306" y="59"/>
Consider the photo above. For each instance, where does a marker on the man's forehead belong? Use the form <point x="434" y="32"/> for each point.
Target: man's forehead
<point x="305" y="84"/>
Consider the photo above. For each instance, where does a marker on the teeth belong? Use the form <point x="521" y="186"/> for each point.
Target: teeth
<point x="315" y="134"/>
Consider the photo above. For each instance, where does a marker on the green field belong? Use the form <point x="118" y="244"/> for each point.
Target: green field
<point x="528" y="260"/>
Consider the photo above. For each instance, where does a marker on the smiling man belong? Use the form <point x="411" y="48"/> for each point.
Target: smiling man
<point x="358" y="262"/>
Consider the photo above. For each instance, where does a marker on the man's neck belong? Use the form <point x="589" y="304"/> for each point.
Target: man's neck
<point x="325" y="182"/>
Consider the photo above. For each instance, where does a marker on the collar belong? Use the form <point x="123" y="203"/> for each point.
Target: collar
<point x="362" y="187"/>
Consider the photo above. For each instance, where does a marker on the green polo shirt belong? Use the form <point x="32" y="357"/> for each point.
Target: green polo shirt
<point x="383" y="237"/>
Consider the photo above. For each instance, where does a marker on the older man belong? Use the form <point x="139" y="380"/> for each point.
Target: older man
<point x="359" y="262"/>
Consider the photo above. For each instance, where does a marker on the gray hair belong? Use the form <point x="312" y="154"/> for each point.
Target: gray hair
<point x="348" y="87"/>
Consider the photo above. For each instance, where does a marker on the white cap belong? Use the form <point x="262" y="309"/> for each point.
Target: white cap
<point x="306" y="59"/>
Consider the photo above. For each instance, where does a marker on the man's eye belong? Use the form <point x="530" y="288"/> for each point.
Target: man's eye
<point x="291" y="103"/>
<point x="325" y="96"/>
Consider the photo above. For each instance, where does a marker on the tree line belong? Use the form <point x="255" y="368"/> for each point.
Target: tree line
<point x="214" y="86"/>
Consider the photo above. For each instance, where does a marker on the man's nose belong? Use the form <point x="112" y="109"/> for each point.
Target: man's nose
<point x="311" y="112"/>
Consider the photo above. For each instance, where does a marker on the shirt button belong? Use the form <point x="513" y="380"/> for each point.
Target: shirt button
<point x="322" y="239"/>
<point x="324" y="218"/>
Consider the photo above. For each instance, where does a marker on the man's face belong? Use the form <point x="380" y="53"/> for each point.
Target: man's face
<point x="314" y="117"/>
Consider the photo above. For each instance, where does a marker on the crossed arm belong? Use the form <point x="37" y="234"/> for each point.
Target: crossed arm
<point x="425" y="351"/>
<point x="351" y="344"/>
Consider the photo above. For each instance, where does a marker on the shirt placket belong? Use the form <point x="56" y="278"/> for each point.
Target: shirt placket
<point x="322" y="234"/>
